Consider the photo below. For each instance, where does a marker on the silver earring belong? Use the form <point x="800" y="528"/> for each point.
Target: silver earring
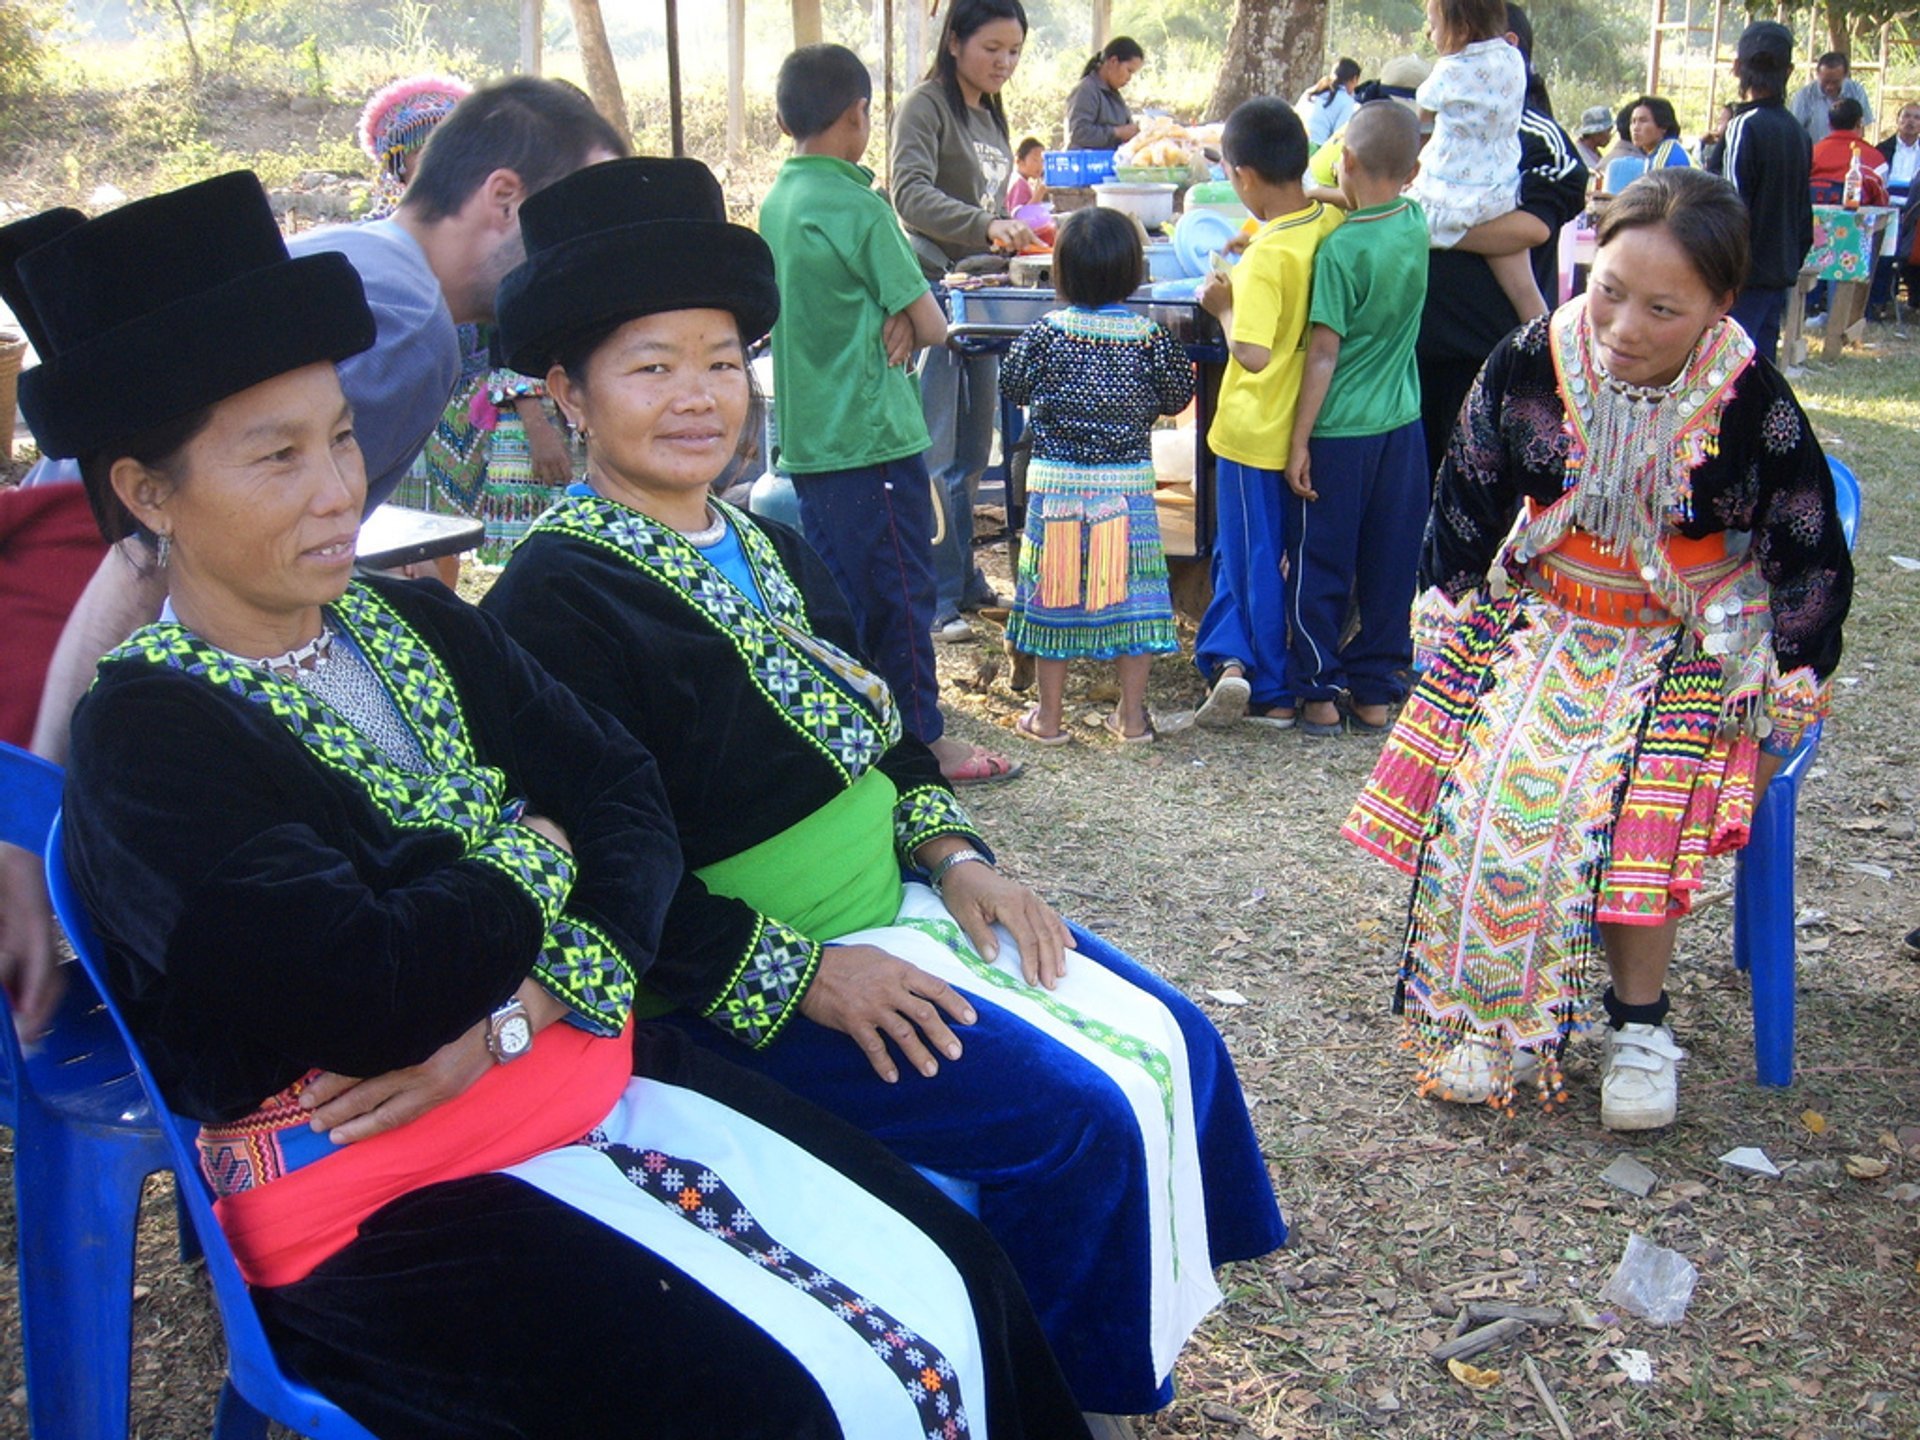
<point x="163" y="550"/>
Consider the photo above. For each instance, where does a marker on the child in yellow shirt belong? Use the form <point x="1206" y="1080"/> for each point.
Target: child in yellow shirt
<point x="1242" y="645"/>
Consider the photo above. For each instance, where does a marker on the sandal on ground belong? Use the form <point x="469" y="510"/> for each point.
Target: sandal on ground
<point x="1363" y="727"/>
<point x="1027" y="728"/>
<point x="1226" y="703"/>
<point x="1321" y="729"/>
<point x="982" y="767"/>
<point x="1273" y="720"/>
<point x="1110" y="722"/>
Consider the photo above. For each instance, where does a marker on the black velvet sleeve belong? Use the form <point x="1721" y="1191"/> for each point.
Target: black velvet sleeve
<point x="576" y="765"/>
<point x="1475" y="494"/>
<point x="246" y="940"/>
<point x="1797" y="538"/>
<point x="717" y="956"/>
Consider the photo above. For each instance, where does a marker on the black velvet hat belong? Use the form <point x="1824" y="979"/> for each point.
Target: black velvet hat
<point x="16" y="240"/>
<point x="164" y="306"/>
<point x="623" y="239"/>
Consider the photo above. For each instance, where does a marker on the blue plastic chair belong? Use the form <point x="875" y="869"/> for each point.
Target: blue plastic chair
<point x="257" y="1389"/>
<point x="1622" y="171"/>
<point x="85" y="1141"/>
<point x="1763" y="898"/>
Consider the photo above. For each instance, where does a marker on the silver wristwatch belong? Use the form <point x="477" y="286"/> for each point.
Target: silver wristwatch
<point x="509" y="1032"/>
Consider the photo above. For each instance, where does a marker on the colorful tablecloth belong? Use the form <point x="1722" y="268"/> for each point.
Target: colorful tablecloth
<point x="1846" y="241"/>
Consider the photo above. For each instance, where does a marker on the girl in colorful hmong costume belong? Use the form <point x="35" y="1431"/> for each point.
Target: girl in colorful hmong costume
<point x="1093" y="578"/>
<point x="1093" y="1105"/>
<point x="375" y="894"/>
<point x="1598" y="711"/>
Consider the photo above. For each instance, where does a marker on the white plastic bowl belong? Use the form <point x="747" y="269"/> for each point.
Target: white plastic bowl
<point x="1151" y="204"/>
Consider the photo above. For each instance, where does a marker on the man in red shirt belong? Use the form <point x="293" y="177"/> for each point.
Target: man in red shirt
<point x="1833" y="155"/>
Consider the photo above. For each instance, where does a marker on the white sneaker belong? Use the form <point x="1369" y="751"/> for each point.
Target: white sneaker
<point x="1466" y="1076"/>
<point x="953" y="631"/>
<point x="1640" y="1084"/>
<point x="1225" y="705"/>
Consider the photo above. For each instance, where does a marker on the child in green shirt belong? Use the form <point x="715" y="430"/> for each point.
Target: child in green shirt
<point x="1357" y="466"/>
<point x="854" y="306"/>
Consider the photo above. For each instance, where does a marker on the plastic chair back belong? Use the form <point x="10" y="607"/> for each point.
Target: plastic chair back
<point x="1622" y="171"/>
<point x="85" y="1141"/>
<point x="256" y="1389"/>
<point x="1846" y="496"/>
<point x="1763" y="895"/>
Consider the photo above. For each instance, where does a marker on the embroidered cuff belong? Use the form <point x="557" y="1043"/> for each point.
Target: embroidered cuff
<point x="1436" y="616"/>
<point x="764" y="991"/>
<point x="585" y="971"/>
<point x="539" y="867"/>
<point x="1795" y="702"/>
<point x="926" y="813"/>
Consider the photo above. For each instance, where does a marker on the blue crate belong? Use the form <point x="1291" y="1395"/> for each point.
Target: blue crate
<point x="1078" y="167"/>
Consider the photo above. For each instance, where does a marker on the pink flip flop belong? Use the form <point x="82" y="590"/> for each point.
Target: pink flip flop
<point x="1026" y="729"/>
<point x="983" y="767"/>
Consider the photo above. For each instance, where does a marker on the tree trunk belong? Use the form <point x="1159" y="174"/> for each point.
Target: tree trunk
<point x="596" y="58"/>
<point x="186" y="31"/>
<point x="736" y="82"/>
<point x="807" y="29"/>
<point x="1274" y="48"/>
<point x="531" y="23"/>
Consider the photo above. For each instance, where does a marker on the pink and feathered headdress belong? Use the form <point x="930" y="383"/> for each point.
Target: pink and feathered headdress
<point x="399" y="118"/>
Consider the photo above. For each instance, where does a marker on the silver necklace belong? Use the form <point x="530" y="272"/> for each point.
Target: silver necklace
<point x="712" y="534"/>
<point x="309" y="657"/>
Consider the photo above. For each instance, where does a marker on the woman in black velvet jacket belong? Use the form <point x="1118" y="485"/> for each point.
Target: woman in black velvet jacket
<point x="376" y="892"/>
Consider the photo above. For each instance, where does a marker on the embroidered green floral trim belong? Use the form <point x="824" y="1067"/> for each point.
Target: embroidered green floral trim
<point x="585" y="971"/>
<point x="1130" y="1048"/>
<point x="793" y="682"/>
<point x="925" y="813"/>
<point x="763" y="992"/>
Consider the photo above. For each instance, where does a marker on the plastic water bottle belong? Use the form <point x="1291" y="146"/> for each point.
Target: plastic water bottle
<point x="1856" y="182"/>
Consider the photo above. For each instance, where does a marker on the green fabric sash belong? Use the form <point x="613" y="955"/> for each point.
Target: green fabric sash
<point x="831" y="873"/>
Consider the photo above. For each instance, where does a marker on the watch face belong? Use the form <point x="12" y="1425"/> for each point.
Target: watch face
<point x="513" y="1035"/>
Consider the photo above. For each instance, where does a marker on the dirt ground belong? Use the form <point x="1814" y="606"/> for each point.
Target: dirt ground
<point x="1213" y="858"/>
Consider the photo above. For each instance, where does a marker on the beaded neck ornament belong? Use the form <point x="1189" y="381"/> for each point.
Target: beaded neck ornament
<point x="1635" y="447"/>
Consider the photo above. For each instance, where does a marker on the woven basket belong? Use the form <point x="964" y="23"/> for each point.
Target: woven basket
<point x="12" y="350"/>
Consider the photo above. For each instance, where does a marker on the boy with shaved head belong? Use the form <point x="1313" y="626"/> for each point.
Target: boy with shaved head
<point x="1357" y="471"/>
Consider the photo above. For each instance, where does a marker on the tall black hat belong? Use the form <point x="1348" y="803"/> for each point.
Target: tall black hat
<point x="164" y="306"/>
<point x="623" y="239"/>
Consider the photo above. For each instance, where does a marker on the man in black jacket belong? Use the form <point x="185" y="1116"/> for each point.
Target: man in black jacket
<point x="1768" y="159"/>
<point x="1466" y="313"/>
<point x="1902" y="149"/>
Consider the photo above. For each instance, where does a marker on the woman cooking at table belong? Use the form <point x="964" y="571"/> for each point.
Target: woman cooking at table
<point x="1097" y="117"/>
<point x="952" y="158"/>
<point x="375" y="892"/>
<point x="1607" y="684"/>
<point x="1093" y="1104"/>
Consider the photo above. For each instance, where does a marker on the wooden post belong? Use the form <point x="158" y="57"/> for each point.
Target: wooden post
<point x="807" y="29"/>
<point x="675" y="123"/>
<point x="886" y="74"/>
<point x="736" y="81"/>
<point x="532" y="21"/>
<point x="1102" y="23"/>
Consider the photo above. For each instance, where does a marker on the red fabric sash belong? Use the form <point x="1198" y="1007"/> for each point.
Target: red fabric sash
<point x="549" y="1097"/>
